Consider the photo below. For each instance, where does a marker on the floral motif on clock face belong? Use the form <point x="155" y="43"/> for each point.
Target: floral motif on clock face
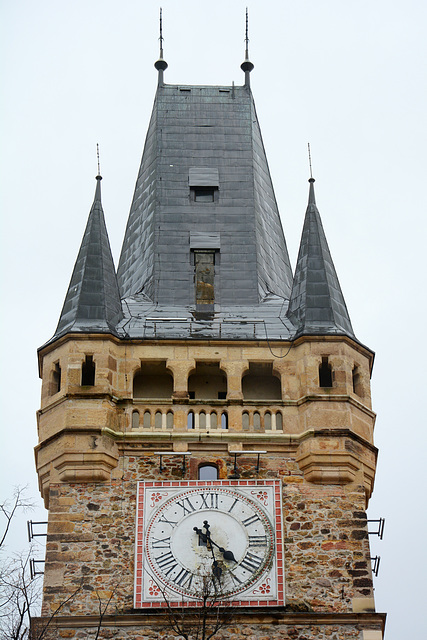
<point x="156" y="497"/>
<point x="262" y="496"/>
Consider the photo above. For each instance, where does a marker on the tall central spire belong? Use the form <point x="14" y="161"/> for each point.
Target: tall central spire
<point x="204" y="185"/>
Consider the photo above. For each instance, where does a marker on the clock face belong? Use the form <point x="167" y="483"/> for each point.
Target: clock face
<point x="201" y="531"/>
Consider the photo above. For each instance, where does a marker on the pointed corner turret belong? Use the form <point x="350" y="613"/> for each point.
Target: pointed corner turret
<point x="317" y="305"/>
<point x="92" y="303"/>
<point x="247" y="65"/>
<point x="161" y="65"/>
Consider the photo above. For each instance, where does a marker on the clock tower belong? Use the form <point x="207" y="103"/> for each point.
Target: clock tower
<point x="206" y="412"/>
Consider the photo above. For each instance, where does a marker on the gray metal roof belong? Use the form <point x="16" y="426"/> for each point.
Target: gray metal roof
<point x="92" y="302"/>
<point x="264" y="321"/>
<point x="317" y="304"/>
<point x="202" y="137"/>
<point x="197" y="132"/>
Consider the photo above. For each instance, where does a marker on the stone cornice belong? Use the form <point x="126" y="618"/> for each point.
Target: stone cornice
<point x="256" y="615"/>
<point x="44" y="350"/>
<point x="285" y="439"/>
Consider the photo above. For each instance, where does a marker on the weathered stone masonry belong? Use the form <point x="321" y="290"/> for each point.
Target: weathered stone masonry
<point x="91" y="538"/>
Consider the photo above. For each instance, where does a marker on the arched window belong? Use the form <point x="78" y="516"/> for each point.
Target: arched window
<point x="260" y="383"/>
<point x="152" y="380"/>
<point x="325" y="373"/>
<point x="207" y="382"/>
<point x="267" y="421"/>
<point x="88" y="372"/>
<point x="190" y="420"/>
<point x="279" y="421"/>
<point x="214" y="420"/>
<point x="257" y="421"/>
<point x="135" y="419"/>
<point x="202" y="420"/>
<point x="224" y="420"/>
<point x="158" y="420"/>
<point x="147" y="420"/>
<point x="208" y="472"/>
<point x="169" y="420"/>
<point x="245" y="421"/>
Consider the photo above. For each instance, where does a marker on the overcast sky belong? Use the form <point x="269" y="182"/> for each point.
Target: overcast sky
<point x="348" y="77"/>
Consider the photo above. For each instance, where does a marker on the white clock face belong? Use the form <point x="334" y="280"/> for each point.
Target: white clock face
<point x="238" y="551"/>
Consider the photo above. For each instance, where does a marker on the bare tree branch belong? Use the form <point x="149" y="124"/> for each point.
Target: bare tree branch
<point x="103" y="611"/>
<point x="57" y="610"/>
<point x="19" y="597"/>
<point x="210" y="613"/>
<point x="9" y="508"/>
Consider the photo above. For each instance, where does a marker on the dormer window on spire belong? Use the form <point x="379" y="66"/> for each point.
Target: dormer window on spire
<point x="203" y="183"/>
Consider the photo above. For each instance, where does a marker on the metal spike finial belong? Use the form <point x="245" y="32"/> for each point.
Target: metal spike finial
<point x="97" y="157"/>
<point x="247" y="36"/>
<point x="247" y="65"/>
<point x="161" y="33"/>
<point x="161" y="64"/>
<point x="309" y="162"/>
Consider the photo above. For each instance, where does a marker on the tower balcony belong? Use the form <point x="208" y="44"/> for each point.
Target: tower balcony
<point x="214" y="417"/>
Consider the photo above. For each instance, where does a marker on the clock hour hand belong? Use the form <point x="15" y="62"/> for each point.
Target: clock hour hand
<point x="227" y="555"/>
<point x="200" y="533"/>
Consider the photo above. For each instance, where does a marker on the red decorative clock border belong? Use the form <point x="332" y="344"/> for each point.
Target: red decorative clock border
<point x="176" y="484"/>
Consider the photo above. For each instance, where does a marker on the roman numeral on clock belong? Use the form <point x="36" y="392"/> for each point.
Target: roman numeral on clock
<point x="248" y="521"/>
<point x="251" y="562"/>
<point x="209" y="500"/>
<point x="186" y="505"/>
<point x="166" y="560"/>
<point x="166" y="521"/>
<point x="257" y="541"/>
<point x="233" y="505"/>
<point x="184" y="578"/>
<point x="234" y="578"/>
<point x="161" y="543"/>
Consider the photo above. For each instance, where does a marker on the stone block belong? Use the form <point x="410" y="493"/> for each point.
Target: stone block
<point x="361" y="605"/>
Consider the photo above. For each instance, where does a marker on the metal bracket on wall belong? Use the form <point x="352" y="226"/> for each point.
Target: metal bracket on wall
<point x="173" y="453"/>
<point x="379" y="531"/>
<point x="236" y="473"/>
<point x="375" y="565"/>
<point x="30" y="529"/>
<point x="33" y="568"/>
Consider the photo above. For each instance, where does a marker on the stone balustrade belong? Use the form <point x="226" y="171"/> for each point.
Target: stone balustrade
<point x="206" y="418"/>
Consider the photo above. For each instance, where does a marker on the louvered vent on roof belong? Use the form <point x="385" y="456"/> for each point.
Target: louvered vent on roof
<point x="203" y="177"/>
<point x="204" y="240"/>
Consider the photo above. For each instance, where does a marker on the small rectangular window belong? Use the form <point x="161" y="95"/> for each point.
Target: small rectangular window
<point x="88" y="372"/>
<point x="204" y="194"/>
<point x="204" y="262"/>
<point x="325" y="373"/>
<point x="55" y="383"/>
